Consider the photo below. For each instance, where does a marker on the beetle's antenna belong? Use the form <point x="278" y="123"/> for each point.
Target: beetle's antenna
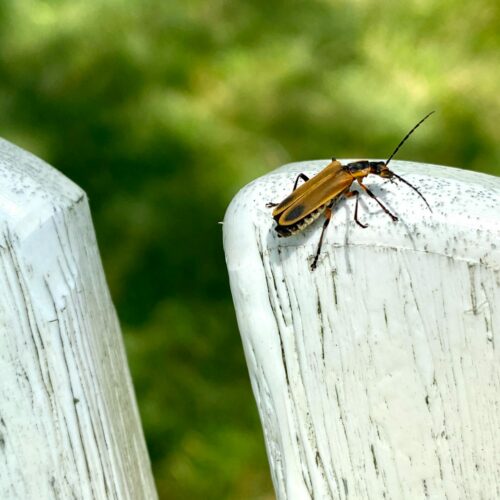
<point x="406" y="137"/>
<point x="413" y="187"/>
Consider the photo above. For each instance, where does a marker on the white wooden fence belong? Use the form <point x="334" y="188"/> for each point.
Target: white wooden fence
<point x="377" y="376"/>
<point x="69" y="425"/>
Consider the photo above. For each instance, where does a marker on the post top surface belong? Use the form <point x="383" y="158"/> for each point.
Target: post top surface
<point x="30" y="188"/>
<point x="464" y="222"/>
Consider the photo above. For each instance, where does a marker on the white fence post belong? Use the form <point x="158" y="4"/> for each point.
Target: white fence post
<point x="69" y="425"/>
<point x="378" y="374"/>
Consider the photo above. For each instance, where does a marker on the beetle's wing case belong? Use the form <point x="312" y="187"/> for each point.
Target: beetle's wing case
<point x="324" y="175"/>
<point x="332" y="186"/>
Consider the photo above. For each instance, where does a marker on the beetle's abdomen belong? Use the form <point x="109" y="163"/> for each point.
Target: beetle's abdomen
<point x="285" y="231"/>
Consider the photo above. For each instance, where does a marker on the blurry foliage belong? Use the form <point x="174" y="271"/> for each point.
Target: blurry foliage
<point x="162" y="110"/>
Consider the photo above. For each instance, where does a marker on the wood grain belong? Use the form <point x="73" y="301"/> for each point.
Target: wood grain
<point x="69" y="425"/>
<point x="378" y="374"/>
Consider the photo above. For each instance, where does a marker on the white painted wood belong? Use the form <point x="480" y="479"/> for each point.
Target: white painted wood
<point x="69" y="425"/>
<point x="377" y="375"/>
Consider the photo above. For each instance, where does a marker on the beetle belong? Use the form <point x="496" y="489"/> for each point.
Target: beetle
<point x="322" y="192"/>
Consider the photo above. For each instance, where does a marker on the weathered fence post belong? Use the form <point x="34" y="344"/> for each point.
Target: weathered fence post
<point x="69" y="425"/>
<point x="378" y="374"/>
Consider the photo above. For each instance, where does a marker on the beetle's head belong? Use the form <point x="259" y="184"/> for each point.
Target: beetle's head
<point x="380" y="168"/>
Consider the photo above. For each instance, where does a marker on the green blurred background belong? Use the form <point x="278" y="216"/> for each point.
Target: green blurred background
<point x="162" y="110"/>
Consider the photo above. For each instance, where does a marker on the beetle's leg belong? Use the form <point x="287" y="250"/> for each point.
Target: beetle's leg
<point x="356" y="193"/>
<point x="300" y="176"/>
<point x="328" y="216"/>
<point x="384" y="208"/>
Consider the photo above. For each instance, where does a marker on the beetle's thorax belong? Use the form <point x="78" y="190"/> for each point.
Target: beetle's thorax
<point x="360" y="169"/>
